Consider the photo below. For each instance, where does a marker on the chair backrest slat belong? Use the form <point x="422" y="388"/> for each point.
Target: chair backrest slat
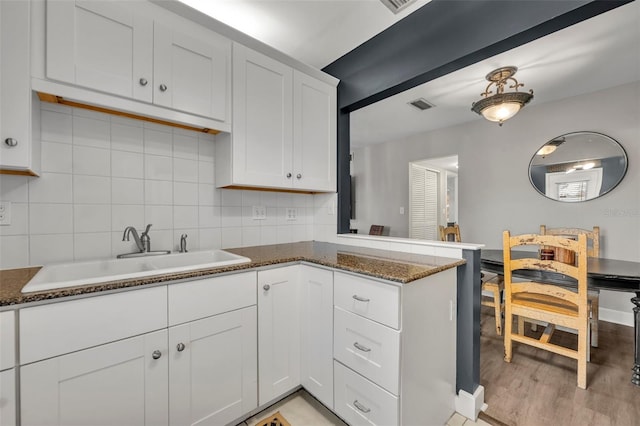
<point x="593" y="237"/>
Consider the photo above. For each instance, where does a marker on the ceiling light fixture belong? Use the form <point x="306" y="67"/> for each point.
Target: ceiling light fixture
<point x="501" y="106"/>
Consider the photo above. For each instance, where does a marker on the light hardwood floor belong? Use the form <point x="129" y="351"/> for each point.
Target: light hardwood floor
<point x="538" y="388"/>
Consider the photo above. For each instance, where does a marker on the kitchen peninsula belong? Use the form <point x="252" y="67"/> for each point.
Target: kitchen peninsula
<point x="334" y="319"/>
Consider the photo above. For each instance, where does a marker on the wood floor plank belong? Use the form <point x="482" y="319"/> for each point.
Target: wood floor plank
<point x="539" y="388"/>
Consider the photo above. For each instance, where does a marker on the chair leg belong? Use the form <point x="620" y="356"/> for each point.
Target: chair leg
<point x="521" y="325"/>
<point x="595" y="315"/>
<point x="508" y="325"/>
<point x="583" y="343"/>
<point x="497" y="305"/>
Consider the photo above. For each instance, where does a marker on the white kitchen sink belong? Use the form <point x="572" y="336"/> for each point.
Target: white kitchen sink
<point x="62" y="275"/>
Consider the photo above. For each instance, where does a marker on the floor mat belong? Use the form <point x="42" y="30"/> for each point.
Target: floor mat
<point x="276" y="419"/>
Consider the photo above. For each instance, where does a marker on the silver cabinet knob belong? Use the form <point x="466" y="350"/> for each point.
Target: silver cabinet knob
<point x="11" y="141"/>
<point x="180" y="347"/>
<point x="298" y="176"/>
<point x="143" y="81"/>
<point x="288" y="175"/>
<point x="163" y="87"/>
<point x="156" y="354"/>
<point x="266" y="287"/>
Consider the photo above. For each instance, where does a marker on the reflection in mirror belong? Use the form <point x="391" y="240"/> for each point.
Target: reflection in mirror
<point x="578" y="166"/>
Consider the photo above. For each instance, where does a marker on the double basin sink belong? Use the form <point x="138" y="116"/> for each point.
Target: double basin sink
<point x="75" y="274"/>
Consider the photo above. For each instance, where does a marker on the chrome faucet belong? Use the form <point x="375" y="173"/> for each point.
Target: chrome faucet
<point x="183" y="243"/>
<point x="143" y="243"/>
<point x="130" y="230"/>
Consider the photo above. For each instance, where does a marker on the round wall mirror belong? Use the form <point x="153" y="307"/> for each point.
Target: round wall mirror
<point x="578" y="166"/>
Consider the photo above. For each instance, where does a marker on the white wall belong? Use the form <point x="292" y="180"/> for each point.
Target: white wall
<point x="494" y="189"/>
<point x="101" y="173"/>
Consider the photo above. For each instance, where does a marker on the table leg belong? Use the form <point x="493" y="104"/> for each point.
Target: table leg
<point x="635" y="377"/>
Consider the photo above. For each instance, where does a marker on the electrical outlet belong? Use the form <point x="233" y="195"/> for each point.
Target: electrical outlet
<point x="5" y="212"/>
<point x="401" y="210"/>
<point x="292" y="214"/>
<point x="259" y="212"/>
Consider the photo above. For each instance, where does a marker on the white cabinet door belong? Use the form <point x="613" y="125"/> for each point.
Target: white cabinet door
<point x="103" y="45"/>
<point x="213" y="369"/>
<point x="262" y="119"/>
<point x="18" y="152"/>
<point x="8" y="397"/>
<point x="278" y="332"/>
<point x="191" y="73"/>
<point x="314" y="133"/>
<point x="316" y="357"/>
<point x="120" y="383"/>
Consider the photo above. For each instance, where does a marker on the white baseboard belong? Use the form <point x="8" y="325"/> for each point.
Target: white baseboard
<point x="470" y="405"/>
<point x="615" y="316"/>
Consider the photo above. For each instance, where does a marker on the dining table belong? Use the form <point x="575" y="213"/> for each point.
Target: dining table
<point x="602" y="273"/>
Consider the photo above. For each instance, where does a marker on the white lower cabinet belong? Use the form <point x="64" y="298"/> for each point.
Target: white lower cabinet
<point x="361" y="402"/>
<point x="395" y="350"/>
<point x="212" y="369"/>
<point x="316" y="345"/>
<point x="8" y="397"/>
<point x="119" y="383"/>
<point x="278" y="332"/>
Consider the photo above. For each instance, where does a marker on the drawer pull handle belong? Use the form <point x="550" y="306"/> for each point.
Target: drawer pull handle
<point x="180" y="347"/>
<point x="361" y="348"/>
<point x="359" y="298"/>
<point x="156" y="354"/>
<point x="361" y="407"/>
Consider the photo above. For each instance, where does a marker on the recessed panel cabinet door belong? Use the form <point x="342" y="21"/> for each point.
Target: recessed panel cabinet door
<point x="317" y="333"/>
<point x="120" y="383"/>
<point x="191" y="72"/>
<point x="278" y="332"/>
<point x="212" y="369"/>
<point x="103" y="45"/>
<point x="263" y="114"/>
<point x="314" y="134"/>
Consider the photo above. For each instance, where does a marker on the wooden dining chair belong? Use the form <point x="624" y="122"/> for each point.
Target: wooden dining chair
<point x="548" y="303"/>
<point x="593" y="250"/>
<point x="492" y="284"/>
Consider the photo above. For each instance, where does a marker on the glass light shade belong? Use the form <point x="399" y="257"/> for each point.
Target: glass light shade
<point x="546" y="150"/>
<point x="501" y="112"/>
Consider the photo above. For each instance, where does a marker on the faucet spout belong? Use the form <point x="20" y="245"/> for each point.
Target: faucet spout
<point x="130" y="230"/>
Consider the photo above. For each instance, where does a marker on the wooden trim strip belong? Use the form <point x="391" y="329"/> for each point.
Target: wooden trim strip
<point x="18" y="172"/>
<point x="46" y="97"/>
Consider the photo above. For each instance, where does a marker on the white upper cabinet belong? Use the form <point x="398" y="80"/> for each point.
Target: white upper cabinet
<point x="19" y="121"/>
<point x="284" y="128"/>
<point x="101" y="45"/>
<point x="138" y="51"/>
<point x="314" y="133"/>
<point x="190" y="73"/>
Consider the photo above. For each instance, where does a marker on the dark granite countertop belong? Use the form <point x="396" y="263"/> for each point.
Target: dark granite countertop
<point x="394" y="266"/>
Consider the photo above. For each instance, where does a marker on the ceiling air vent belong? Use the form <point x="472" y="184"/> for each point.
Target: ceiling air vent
<point x="397" y="5"/>
<point x="421" y="104"/>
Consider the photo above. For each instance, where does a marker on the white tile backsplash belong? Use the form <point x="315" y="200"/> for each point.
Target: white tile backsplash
<point x="158" y="167"/>
<point x="51" y="188"/>
<point x="91" y="189"/>
<point x="127" y="191"/>
<point x="102" y="173"/>
<point x="185" y="170"/>
<point x="127" y="164"/>
<point x="91" y="132"/>
<point x="158" y="192"/>
<point x="91" y="218"/>
<point x="51" y="219"/>
<point x="56" y="157"/>
<point x="91" y="161"/>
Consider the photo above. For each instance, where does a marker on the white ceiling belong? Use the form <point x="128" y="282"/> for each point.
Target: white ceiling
<point x="592" y="55"/>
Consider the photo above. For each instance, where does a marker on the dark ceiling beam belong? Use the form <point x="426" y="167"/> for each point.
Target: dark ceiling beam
<point x="444" y="36"/>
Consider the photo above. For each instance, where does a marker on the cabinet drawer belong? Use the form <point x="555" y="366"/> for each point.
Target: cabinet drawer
<point x="59" y="328"/>
<point x="360" y="402"/>
<point x="367" y="347"/>
<point x="210" y="296"/>
<point x="7" y="340"/>
<point x="371" y="299"/>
